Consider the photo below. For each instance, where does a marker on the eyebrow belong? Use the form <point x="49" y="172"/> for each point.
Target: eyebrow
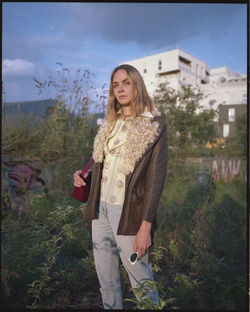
<point x="124" y="80"/>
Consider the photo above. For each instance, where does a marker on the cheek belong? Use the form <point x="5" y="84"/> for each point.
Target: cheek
<point x="134" y="92"/>
<point x="115" y="92"/>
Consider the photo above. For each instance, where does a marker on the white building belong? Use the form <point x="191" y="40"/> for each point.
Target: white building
<point x="177" y="67"/>
<point x="226" y="87"/>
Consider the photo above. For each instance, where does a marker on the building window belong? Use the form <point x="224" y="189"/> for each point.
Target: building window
<point x="185" y="61"/>
<point x="145" y="71"/>
<point x="231" y="114"/>
<point x="211" y="102"/>
<point x="159" y="65"/>
<point x="225" y="130"/>
<point x="244" y="98"/>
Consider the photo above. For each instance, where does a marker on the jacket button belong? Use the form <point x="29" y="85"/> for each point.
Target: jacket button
<point x="112" y="199"/>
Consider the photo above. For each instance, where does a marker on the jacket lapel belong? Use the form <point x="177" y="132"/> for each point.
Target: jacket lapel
<point x="141" y="134"/>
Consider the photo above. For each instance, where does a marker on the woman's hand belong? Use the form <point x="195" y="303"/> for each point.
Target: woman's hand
<point x="143" y="239"/>
<point x="78" y="181"/>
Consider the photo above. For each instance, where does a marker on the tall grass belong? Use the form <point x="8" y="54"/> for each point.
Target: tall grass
<point x="20" y="134"/>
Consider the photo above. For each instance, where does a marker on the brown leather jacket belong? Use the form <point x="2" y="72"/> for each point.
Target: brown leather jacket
<point x="144" y="183"/>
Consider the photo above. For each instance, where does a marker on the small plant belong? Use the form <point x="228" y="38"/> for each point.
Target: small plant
<point x="142" y="297"/>
<point x="158" y="254"/>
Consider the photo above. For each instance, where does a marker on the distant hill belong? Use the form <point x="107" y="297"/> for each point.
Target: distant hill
<point x="38" y="108"/>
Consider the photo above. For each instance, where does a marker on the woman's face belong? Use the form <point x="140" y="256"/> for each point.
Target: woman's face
<point x="123" y="88"/>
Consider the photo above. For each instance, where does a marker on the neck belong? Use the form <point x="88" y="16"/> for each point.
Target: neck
<point x="126" y="111"/>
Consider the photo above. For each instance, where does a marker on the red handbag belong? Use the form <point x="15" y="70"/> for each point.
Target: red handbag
<point x="82" y="193"/>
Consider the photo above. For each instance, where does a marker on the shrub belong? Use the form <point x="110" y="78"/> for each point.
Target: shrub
<point x="44" y="261"/>
<point x="203" y="228"/>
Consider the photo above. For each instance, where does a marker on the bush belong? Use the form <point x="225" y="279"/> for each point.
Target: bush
<point x="46" y="263"/>
<point x="203" y="228"/>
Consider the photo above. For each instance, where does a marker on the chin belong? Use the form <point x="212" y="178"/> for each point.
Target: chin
<point x="124" y="103"/>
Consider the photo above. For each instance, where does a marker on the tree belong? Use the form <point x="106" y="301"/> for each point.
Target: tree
<point x="189" y="125"/>
<point x="237" y="143"/>
<point x="241" y="131"/>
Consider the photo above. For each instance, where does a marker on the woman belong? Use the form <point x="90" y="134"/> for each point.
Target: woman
<point x="130" y="160"/>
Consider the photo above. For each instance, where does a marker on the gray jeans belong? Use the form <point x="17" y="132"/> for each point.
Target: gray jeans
<point x="107" y="248"/>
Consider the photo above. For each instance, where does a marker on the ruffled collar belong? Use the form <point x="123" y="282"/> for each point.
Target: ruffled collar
<point x="141" y="133"/>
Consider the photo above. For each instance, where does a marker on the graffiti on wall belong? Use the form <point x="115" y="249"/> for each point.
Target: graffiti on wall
<point x="227" y="170"/>
<point x="19" y="181"/>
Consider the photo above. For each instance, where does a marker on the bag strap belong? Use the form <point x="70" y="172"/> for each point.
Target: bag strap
<point x="85" y="170"/>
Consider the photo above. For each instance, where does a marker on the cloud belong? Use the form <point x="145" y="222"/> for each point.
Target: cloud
<point x="149" y="25"/>
<point x="154" y="24"/>
<point x="18" y="82"/>
<point x="97" y="36"/>
<point x="34" y="47"/>
<point x="17" y="67"/>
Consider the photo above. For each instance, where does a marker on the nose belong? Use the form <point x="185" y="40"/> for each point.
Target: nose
<point x="120" y="88"/>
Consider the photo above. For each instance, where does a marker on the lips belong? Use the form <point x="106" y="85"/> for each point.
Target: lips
<point x="122" y="97"/>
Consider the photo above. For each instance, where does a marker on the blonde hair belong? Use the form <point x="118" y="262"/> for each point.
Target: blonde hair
<point x="141" y="101"/>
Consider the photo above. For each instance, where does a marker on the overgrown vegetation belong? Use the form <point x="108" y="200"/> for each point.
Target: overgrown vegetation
<point x="189" y="126"/>
<point x="200" y="243"/>
<point x="48" y="262"/>
<point x="67" y="132"/>
<point x="199" y="257"/>
<point x="203" y="227"/>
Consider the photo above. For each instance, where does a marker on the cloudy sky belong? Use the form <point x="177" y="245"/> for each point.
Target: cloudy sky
<point x="99" y="36"/>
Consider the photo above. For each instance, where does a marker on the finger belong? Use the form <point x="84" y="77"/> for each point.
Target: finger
<point x="77" y="173"/>
<point x="86" y="175"/>
<point x="141" y="252"/>
<point x="140" y="256"/>
<point x="135" y="248"/>
<point x="79" y="181"/>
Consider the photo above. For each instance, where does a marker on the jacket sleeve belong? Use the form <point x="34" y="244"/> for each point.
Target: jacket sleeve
<point x="155" y="177"/>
